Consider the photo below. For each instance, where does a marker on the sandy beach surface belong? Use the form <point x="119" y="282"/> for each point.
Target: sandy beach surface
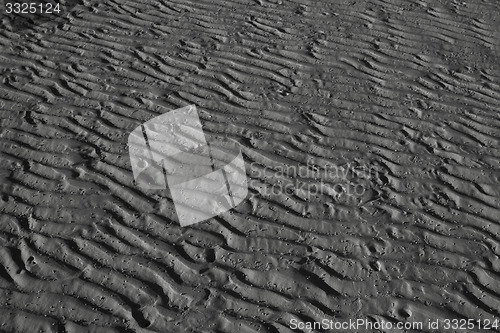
<point x="370" y="132"/>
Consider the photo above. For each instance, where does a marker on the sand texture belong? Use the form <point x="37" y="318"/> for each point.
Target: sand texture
<point x="402" y="98"/>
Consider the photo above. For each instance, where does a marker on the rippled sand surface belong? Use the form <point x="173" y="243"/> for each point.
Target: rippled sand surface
<point x="401" y="98"/>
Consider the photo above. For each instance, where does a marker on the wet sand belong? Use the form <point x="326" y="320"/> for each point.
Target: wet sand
<point x="399" y="98"/>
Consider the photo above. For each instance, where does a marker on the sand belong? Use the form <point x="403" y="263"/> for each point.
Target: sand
<point x="397" y="99"/>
